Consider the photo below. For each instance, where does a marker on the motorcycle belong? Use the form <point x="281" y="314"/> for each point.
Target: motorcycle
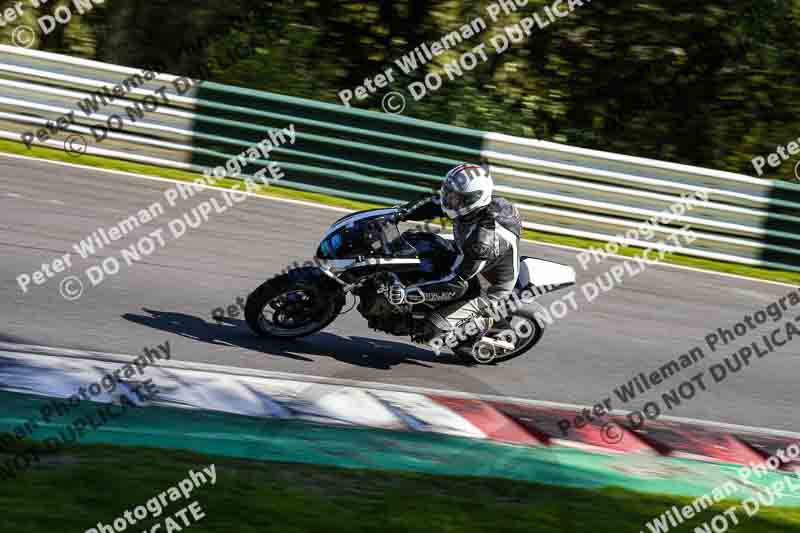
<point x="366" y="255"/>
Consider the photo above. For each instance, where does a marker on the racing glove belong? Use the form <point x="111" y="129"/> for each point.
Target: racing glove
<point x="399" y="294"/>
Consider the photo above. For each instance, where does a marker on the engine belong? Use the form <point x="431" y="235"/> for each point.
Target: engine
<point x="382" y="315"/>
<point x="436" y="257"/>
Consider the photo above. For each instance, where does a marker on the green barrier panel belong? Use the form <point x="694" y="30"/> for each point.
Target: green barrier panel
<point x="775" y="224"/>
<point x="377" y="154"/>
<point x="295" y="441"/>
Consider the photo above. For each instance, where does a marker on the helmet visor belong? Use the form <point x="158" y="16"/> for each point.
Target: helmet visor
<point x="456" y="200"/>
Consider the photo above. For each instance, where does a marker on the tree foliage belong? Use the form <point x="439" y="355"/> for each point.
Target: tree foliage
<point x="711" y="83"/>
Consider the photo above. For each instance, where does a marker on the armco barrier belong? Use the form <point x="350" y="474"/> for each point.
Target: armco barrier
<point x="386" y="158"/>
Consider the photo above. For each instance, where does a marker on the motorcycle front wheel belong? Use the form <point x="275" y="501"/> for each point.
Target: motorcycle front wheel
<point x="293" y="305"/>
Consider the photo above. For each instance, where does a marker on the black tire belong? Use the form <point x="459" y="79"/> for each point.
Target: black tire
<point x="307" y="279"/>
<point x="528" y="312"/>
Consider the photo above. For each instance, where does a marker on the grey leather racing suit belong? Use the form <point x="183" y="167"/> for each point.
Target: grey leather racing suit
<point x="488" y="243"/>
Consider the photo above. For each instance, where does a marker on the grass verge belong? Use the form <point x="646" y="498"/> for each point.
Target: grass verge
<point x="75" y="488"/>
<point x="53" y="154"/>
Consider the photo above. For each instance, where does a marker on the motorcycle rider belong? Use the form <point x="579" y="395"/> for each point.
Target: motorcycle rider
<point x="486" y="230"/>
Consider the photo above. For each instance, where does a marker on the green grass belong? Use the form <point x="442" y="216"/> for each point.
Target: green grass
<point x="283" y="192"/>
<point x="72" y="490"/>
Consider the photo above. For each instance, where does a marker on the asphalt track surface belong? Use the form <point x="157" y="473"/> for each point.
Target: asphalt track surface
<point x="640" y="325"/>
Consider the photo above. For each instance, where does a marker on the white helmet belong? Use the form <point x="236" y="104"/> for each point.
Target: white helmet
<point x="465" y="189"/>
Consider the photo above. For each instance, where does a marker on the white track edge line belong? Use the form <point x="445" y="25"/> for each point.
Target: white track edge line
<point x="170" y="180"/>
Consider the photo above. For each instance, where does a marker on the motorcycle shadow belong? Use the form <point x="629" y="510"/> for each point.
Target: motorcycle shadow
<point x="380" y="354"/>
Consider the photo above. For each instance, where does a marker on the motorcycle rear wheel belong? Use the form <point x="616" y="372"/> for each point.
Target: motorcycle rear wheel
<point x="525" y="343"/>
